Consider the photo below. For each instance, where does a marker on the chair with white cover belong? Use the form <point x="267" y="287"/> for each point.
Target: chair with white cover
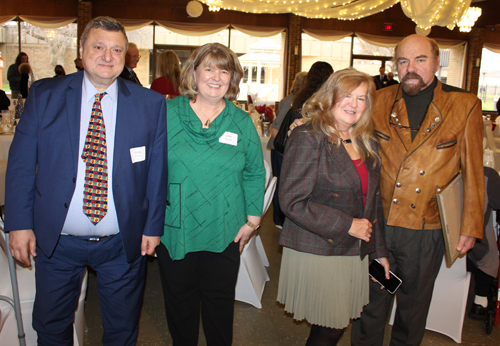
<point x="449" y="300"/>
<point x="26" y="287"/>
<point x="494" y="145"/>
<point x="269" y="173"/>
<point x="252" y="275"/>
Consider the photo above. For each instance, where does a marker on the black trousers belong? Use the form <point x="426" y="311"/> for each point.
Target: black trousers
<point x="415" y="256"/>
<point x="203" y="281"/>
<point x="276" y="163"/>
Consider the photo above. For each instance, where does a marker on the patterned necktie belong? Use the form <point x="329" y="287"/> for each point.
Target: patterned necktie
<point x="95" y="191"/>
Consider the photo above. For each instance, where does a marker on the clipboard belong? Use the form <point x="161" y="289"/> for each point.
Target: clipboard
<point x="451" y="203"/>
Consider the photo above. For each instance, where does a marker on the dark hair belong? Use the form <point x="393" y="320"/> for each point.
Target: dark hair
<point x="19" y="57"/>
<point x="59" y="70"/>
<point x="214" y="55"/>
<point x="104" y="23"/>
<point x="317" y="75"/>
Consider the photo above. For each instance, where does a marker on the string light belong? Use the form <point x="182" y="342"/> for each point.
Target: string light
<point x="469" y="19"/>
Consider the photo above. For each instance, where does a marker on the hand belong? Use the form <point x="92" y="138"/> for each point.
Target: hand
<point x="149" y="245"/>
<point x="361" y="229"/>
<point x="465" y="244"/>
<point x="22" y="243"/>
<point x="296" y="122"/>
<point x="243" y="235"/>
<point x="385" y="263"/>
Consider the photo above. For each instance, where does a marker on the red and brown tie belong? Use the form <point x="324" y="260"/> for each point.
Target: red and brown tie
<point x="95" y="191"/>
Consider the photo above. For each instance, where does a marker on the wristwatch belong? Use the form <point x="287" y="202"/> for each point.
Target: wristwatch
<point x="254" y="227"/>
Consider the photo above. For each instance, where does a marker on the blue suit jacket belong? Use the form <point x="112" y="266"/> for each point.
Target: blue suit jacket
<point x="43" y="160"/>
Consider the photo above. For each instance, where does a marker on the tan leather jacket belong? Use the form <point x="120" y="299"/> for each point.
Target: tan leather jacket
<point x="449" y="140"/>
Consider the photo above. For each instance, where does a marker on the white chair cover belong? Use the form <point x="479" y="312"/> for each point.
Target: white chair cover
<point x="252" y="275"/>
<point x="449" y="300"/>
<point x="494" y="145"/>
<point x="26" y="283"/>
<point x="267" y="166"/>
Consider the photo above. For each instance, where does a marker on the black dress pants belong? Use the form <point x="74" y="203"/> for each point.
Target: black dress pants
<point x="203" y="281"/>
<point x="415" y="256"/>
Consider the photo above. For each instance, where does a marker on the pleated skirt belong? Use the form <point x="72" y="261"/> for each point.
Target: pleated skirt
<point x="325" y="290"/>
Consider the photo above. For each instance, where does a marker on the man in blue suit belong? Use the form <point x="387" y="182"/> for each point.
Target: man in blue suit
<point x="86" y="186"/>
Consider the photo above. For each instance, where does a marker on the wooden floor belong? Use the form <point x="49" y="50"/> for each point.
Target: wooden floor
<point x="269" y="326"/>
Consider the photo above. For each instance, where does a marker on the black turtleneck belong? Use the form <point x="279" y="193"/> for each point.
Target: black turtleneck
<point x="417" y="106"/>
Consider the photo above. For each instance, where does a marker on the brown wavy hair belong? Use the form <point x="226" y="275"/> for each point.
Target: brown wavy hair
<point x="214" y="55"/>
<point x="170" y="67"/>
<point x="318" y="109"/>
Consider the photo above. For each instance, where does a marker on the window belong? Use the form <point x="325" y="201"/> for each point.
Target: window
<point x="336" y="53"/>
<point x="489" y="80"/>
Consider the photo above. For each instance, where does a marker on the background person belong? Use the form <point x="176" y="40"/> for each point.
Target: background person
<point x="59" y="71"/>
<point x="215" y="197"/>
<point x="170" y="71"/>
<point x="380" y="79"/>
<point x="330" y="193"/>
<point x="78" y="64"/>
<point x="24" y="84"/>
<point x="14" y="76"/>
<point x="277" y="158"/>
<point x="131" y="60"/>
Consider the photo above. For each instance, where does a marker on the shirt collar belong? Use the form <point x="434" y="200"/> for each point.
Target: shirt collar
<point x="89" y="90"/>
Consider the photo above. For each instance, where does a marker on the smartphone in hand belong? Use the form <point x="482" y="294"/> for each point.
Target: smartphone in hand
<point x="377" y="272"/>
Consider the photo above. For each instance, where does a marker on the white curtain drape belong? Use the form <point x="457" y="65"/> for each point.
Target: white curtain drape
<point x="5" y="19"/>
<point x="327" y="35"/>
<point x="48" y="22"/>
<point x="192" y="29"/>
<point x="258" y="31"/>
<point x="494" y="47"/>
<point x="133" y="24"/>
<point x="428" y="13"/>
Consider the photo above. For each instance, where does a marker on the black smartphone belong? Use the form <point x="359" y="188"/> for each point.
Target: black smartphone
<point x="377" y="272"/>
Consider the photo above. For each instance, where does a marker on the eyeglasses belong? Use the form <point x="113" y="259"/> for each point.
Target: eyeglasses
<point x="393" y="120"/>
<point x="135" y="56"/>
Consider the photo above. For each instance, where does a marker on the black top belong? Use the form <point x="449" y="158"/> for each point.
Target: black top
<point x="417" y="105"/>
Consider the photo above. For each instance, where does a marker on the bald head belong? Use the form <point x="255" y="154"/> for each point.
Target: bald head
<point x="417" y="60"/>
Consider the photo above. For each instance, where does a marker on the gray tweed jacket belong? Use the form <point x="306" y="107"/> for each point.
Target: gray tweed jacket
<point x="320" y="194"/>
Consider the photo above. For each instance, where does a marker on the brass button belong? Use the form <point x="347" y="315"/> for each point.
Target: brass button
<point x="417" y="190"/>
<point x="413" y="206"/>
<point x="422" y="172"/>
<point x="395" y="201"/>
<point x="428" y="130"/>
<point x="398" y="184"/>
<point x="437" y="119"/>
<point x="335" y="195"/>
<point x="330" y="241"/>
<point x="438" y="190"/>
<point x="424" y="134"/>
<point x="433" y="124"/>
<point x="378" y="193"/>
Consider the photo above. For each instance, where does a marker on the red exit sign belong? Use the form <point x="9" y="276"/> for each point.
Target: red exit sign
<point x="388" y="26"/>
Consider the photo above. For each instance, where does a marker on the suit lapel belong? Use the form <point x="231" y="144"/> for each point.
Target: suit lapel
<point x="124" y="113"/>
<point x="73" y="109"/>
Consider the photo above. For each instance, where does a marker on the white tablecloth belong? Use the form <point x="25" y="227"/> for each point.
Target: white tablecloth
<point x="5" y="142"/>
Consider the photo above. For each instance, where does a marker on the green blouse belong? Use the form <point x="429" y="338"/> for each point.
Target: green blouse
<point x="212" y="185"/>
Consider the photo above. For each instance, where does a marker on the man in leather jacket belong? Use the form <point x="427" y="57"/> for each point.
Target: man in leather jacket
<point x="428" y="132"/>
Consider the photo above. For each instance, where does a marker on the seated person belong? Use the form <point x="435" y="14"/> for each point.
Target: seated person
<point x="483" y="260"/>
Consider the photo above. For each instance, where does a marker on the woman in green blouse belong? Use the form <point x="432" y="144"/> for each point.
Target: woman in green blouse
<point x="216" y="191"/>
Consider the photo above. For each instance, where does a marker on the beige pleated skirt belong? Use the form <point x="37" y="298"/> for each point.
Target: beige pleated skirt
<point x="324" y="290"/>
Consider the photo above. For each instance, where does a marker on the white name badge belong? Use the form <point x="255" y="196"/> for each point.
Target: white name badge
<point x="138" y="154"/>
<point x="229" y="138"/>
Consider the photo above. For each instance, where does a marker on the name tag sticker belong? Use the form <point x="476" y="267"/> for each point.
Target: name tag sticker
<point x="138" y="154"/>
<point x="229" y="138"/>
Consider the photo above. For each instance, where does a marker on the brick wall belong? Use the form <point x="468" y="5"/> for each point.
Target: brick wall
<point x="84" y="17"/>
<point x="294" y="40"/>
<point x="476" y="40"/>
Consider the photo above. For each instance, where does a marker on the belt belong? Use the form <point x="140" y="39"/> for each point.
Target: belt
<point x="91" y="238"/>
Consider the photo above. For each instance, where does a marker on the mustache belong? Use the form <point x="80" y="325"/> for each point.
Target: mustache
<point x="412" y="75"/>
